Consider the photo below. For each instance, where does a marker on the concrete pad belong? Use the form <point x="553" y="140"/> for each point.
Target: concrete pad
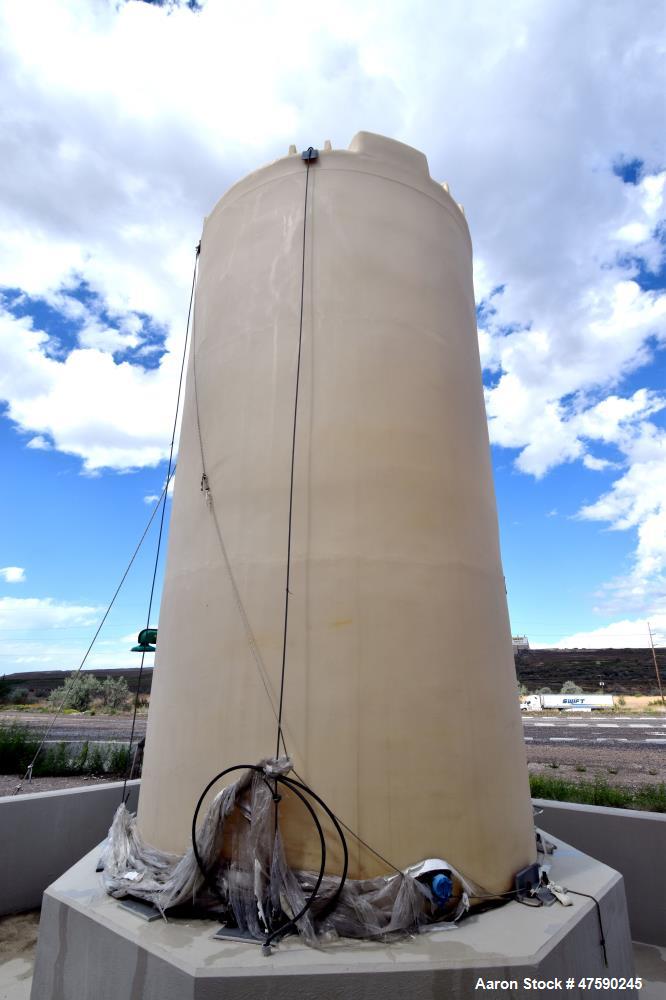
<point x="650" y="965"/>
<point x="93" y="949"/>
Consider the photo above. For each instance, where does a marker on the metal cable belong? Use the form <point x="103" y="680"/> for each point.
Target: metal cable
<point x="354" y="834"/>
<point x="293" y="459"/>
<point x="66" y="687"/>
<point x="210" y="500"/>
<point x="163" y="503"/>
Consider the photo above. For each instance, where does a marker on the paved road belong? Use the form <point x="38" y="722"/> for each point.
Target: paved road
<point x="629" y="731"/>
<point x="623" y="732"/>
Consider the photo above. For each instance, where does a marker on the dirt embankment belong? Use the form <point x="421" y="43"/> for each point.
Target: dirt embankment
<point x="623" y="671"/>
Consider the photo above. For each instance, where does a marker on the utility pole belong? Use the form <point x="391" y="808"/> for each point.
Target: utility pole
<point x="656" y="666"/>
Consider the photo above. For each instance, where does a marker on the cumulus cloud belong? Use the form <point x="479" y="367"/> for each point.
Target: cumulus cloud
<point x="637" y="500"/>
<point x="109" y="414"/>
<point x="29" y="613"/>
<point x="39" y="443"/>
<point x="43" y="633"/>
<point x="13" y="574"/>
<point x="524" y="108"/>
<point x="625" y="634"/>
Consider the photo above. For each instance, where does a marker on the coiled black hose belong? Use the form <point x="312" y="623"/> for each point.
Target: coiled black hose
<point x="298" y="788"/>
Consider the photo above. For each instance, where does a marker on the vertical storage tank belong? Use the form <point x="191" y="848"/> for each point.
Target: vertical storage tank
<point x="400" y="702"/>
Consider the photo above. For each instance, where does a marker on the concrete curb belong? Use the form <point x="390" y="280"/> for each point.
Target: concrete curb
<point x="631" y="842"/>
<point x="43" y="834"/>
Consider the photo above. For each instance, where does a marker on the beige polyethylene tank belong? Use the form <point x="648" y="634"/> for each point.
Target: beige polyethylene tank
<point x="400" y="701"/>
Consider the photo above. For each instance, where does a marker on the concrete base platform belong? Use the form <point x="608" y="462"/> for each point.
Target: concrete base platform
<point x="91" y="948"/>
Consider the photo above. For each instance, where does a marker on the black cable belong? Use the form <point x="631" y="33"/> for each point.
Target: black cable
<point x="602" y="941"/>
<point x="281" y="931"/>
<point x="332" y="902"/>
<point x="357" y="837"/>
<point x="293" y="455"/>
<point x="163" y="501"/>
<point x="195" y="849"/>
<point x="292" y="785"/>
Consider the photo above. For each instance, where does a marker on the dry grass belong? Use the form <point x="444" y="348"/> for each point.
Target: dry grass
<point x="639" y="703"/>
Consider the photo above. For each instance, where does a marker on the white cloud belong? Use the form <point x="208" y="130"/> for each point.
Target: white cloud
<point x="634" y="232"/>
<point x="40" y="443"/>
<point x="597" y="464"/>
<point x="637" y="500"/>
<point x="43" y="633"/>
<point x="109" y="414"/>
<point x="13" y="574"/>
<point x="624" y="634"/>
<point x="29" y="613"/>
<point x="108" y="184"/>
<point x="614" y="419"/>
<point x="154" y="497"/>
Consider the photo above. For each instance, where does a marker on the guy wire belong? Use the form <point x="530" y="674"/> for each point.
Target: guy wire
<point x="210" y="499"/>
<point x="163" y="502"/>
<point x="68" y="684"/>
<point x="293" y="457"/>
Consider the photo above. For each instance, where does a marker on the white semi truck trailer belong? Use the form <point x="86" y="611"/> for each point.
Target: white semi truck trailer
<point x="566" y="702"/>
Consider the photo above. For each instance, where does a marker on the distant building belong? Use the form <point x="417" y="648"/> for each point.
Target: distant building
<point x="520" y="642"/>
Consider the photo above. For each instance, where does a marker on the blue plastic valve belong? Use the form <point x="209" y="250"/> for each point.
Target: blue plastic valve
<point x="442" y="887"/>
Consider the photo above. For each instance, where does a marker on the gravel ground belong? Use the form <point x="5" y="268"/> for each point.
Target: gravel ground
<point x="8" y="783"/>
<point x="631" y="768"/>
<point x="77" y="725"/>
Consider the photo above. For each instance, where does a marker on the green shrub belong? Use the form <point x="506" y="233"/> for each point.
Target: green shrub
<point x="53" y="762"/>
<point x="570" y="688"/>
<point x="5" y="689"/>
<point x="651" y="798"/>
<point x="95" y="761"/>
<point x="80" y="762"/>
<point x="115" y="692"/>
<point x="17" y="748"/>
<point x="118" y="760"/>
<point x="76" y="693"/>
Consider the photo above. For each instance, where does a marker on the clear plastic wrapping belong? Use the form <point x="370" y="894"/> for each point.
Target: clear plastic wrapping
<point x="250" y="885"/>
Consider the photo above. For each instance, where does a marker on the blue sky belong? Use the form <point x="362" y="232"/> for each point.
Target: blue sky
<point x="548" y="128"/>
